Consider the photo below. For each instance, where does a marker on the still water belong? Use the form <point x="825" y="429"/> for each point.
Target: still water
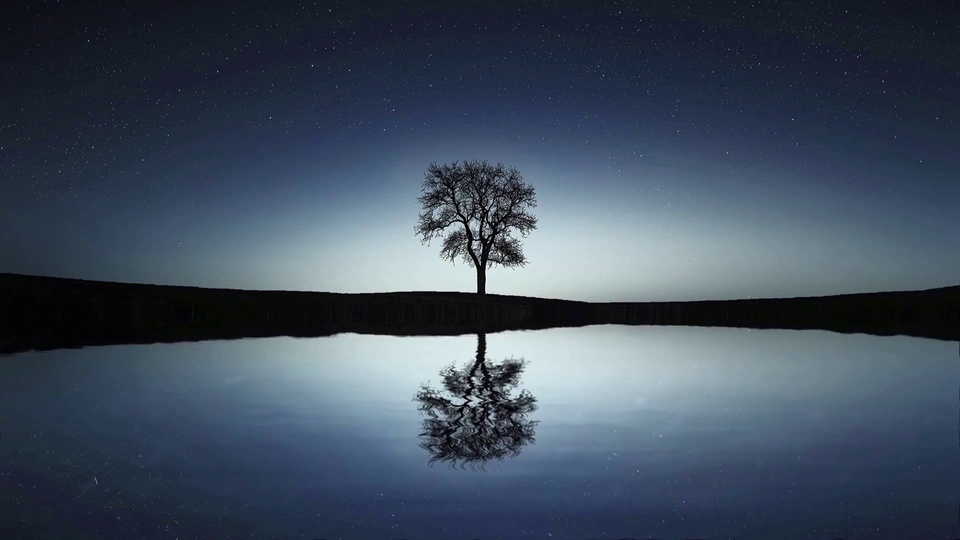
<point x="598" y="432"/>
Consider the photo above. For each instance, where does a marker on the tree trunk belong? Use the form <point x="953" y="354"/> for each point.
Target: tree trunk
<point x="481" y="279"/>
<point x="481" y="347"/>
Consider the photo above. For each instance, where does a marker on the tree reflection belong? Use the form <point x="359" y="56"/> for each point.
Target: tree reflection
<point x="476" y="420"/>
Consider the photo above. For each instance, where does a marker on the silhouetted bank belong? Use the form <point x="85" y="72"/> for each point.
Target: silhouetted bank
<point x="48" y="313"/>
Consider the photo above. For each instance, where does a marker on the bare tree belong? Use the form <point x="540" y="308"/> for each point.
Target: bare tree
<point x="476" y="207"/>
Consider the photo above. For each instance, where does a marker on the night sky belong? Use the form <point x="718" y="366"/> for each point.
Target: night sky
<point x="708" y="150"/>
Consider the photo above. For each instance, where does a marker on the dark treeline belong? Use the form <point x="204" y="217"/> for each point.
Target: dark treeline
<point x="47" y="313"/>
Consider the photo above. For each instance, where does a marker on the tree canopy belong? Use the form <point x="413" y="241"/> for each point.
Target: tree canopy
<point x="476" y="207"/>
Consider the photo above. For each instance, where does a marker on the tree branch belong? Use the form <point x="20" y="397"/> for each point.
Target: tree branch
<point x="487" y="202"/>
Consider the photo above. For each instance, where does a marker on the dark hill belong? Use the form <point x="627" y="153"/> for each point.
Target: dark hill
<point x="45" y="312"/>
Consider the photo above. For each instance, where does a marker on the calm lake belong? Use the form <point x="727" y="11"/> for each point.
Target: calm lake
<point x="600" y="432"/>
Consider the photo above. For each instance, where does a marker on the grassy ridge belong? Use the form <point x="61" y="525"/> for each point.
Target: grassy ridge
<point x="43" y="313"/>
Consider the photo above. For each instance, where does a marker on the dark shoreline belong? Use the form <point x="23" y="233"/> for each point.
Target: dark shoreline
<point x="41" y="313"/>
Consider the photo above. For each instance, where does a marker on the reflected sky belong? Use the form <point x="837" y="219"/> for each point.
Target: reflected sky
<point x="644" y="432"/>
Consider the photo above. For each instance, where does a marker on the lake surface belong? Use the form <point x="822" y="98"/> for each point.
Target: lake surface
<point x="601" y="432"/>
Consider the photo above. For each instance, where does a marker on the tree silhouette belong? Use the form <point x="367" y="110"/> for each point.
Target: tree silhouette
<point x="476" y="207"/>
<point x="480" y="421"/>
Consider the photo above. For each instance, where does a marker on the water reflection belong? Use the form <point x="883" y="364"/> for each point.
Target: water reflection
<point x="476" y="420"/>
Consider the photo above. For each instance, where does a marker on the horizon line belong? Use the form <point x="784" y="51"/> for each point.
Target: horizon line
<point x="489" y="294"/>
